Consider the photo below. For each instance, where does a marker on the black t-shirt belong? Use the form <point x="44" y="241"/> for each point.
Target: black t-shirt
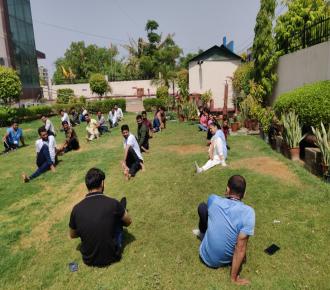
<point x="94" y="219"/>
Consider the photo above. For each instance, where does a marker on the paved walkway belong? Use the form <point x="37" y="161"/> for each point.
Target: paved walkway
<point x="134" y="104"/>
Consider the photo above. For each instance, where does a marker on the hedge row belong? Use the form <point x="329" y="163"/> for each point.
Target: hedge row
<point x="311" y="103"/>
<point x="152" y="104"/>
<point x="35" y="112"/>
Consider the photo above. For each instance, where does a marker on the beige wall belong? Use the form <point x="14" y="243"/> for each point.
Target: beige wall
<point x="302" y="67"/>
<point x="212" y="75"/>
<point x="3" y="51"/>
<point x="122" y="88"/>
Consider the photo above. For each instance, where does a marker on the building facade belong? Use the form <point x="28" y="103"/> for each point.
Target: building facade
<point x="17" y="45"/>
<point x="212" y="70"/>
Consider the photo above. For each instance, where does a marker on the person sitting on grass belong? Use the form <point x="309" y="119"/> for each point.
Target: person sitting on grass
<point x="98" y="220"/>
<point x="159" y="121"/>
<point x="119" y="113"/>
<point x="48" y="125"/>
<point x="91" y="128"/>
<point x="112" y="118"/>
<point x="13" y="136"/>
<point x="46" y="154"/>
<point x="225" y="224"/>
<point x="217" y="152"/>
<point x="65" y="117"/>
<point x="203" y="121"/>
<point x="142" y="134"/>
<point x="103" y="128"/>
<point x="147" y="123"/>
<point x="75" y="116"/>
<point x="71" y="138"/>
<point x="133" y="160"/>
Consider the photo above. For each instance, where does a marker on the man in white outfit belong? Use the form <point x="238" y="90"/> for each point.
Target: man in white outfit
<point x="216" y="152"/>
<point x="119" y="113"/>
<point x="65" y="117"/>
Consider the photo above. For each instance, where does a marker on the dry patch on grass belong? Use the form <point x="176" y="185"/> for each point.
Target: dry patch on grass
<point x="187" y="149"/>
<point x="267" y="166"/>
<point x="40" y="232"/>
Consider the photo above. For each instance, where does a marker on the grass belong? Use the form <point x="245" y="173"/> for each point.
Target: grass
<point x="161" y="253"/>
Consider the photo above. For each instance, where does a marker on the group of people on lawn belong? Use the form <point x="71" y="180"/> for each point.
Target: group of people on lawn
<point x="225" y="223"/>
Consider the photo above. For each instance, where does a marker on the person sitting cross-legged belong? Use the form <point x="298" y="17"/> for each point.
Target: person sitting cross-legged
<point x="46" y="154"/>
<point x="98" y="221"/>
<point x="119" y="113"/>
<point x="71" y="138"/>
<point x="13" y="136"/>
<point x="225" y="224"/>
<point x="142" y="134"/>
<point x="217" y="151"/>
<point x="48" y="125"/>
<point x="91" y="128"/>
<point x="102" y="127"/>
<point x="133" y="160"/>
<point x="112" y="118"/>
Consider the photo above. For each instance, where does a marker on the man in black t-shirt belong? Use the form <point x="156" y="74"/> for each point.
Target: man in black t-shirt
<point x="98" y="221"/>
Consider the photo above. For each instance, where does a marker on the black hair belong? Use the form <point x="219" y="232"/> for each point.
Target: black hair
<point x="61" y="110"/>
<point x="42" y="129"/>
<point x="124" y="128"/>
<point x="94" y="178"/>
<point x="43" y="116"/>
<point x="237" y="185"/>
<point x="65" y="123"/>
<point x="86" y="115"/>
<point x="138" y="117"/>
<point x="143" y="113"/>
<point x="15" y="121"/>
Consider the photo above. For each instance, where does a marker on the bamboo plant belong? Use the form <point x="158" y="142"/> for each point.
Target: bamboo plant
<point x="323" y="142"/>
<point x="292" y="129"/>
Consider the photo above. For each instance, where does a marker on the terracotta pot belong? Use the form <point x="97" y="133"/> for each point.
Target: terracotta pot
<point x="234" y="127"/>
<point x="294" y="153"/>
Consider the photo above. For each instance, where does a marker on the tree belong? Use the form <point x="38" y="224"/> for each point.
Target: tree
<point x="98" y="84"/>
<point x="264" y="49"/>
<point x="10" y="85"/>
<point x="80" y="61"/>
<point x="63" y="95"/>
<point x="300" y="13"/>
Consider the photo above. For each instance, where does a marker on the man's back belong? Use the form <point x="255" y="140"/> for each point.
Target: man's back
<point x="95" y="219"/>
<point x="226" y="219"/>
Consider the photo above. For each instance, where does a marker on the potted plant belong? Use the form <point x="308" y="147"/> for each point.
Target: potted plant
<point x="292" y="133"/>
<point x="265" y="118"/>
<point x="323" y="142"/>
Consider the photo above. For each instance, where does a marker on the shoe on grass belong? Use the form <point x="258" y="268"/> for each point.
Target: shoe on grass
<point x="198" y="234"/>
<point x="198" y="169"/>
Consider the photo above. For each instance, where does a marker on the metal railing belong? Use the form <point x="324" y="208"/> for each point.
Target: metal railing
<point x="312" y="34"/>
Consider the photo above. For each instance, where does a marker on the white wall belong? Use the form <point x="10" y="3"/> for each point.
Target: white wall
<point x="212" y="75"/>
<point x="120" y="88"/>
<point x="305" y="66"/>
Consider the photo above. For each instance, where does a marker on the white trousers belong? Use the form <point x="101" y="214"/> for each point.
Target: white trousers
<point x="211" y="163"/>
<point x="93" y="134"/>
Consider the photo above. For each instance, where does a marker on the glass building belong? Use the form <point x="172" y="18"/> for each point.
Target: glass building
<point x="17" y="19"/>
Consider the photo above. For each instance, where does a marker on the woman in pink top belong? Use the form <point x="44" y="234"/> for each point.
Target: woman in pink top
<point x="203" y="121"/>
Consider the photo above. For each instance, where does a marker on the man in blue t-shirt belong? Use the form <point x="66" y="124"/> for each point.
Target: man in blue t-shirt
<point x="13" y="136"/>
<point x="225" y="225"/>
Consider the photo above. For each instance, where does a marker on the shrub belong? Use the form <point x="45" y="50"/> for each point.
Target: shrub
<point x="152" y="104"/>
<point x="206" y="97"/>
<point x="10" y="85"/>
<point x="98" y="84"/>
<point x="310" y="102"/>
<point x="106" y="105"/>
<point x="63" y="95"/>
<point x="242" y="77"/>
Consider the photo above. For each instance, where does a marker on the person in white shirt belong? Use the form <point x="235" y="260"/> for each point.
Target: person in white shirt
<point x="112" y="118"/>
<point x="65" y="117"/>
<point x="133" y="160"/>
<point x="119" y="112"/>
<point x="103" y="128"/>
<point x="216" y="152"/>
<point x="46" y="154"/>
<point x="48" y="125"/>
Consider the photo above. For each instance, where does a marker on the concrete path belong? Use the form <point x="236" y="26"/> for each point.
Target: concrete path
<point x="134" y="104"/>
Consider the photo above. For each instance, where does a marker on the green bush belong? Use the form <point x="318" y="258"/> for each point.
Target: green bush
<point x="63" y="95"/>
<point x="98" y="84"/>
<point x="310" y="102"/>
<point x="152" y="104"/>
<point x="35" y="112"/>
<point x="242" y="77"/>
<point x="10" y="85"/>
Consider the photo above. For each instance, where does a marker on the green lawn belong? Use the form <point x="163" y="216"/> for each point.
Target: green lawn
<point x="162" y="253"/>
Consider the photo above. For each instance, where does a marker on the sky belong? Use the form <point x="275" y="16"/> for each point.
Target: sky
<point x="196" y="24"/>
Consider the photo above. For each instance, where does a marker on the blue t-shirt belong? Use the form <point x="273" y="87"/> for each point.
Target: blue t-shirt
<point x="221" y="135"/>
<point x="14" y="136"/>
<point x="226" y="219"/>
